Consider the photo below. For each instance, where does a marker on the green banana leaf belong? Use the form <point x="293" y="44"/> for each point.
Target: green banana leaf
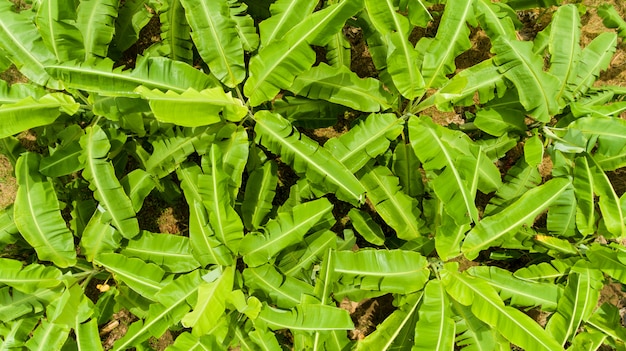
<point x="206" y="248"/>
<point x="8" y="229"/>
<point x="277" y="64"/>
<point x="608" y="201"/>
<point x="56" y="19"/>
<point x="137" y="184"/>
<point x="595" y="57"/>
<point x="338" y="51"/>
<point x="193" y="108"/>
<point x="281" y="291"/>
<point x="17" y="333"/>
<point x="144" y="278"/>
<point x="171" y="252"/>
<point x="387" y="271"/>
<point x="244" y="25"/>
<point x="215" y="36"/>
<point x="519" y="179"/>
<point x="299" y="260"/>
<point x="452" y="185"/>
<point x="16" y="304"/>
<point x="307" y="157"/>
<point x="30" y="113"/>
<point x="99" y="76"/>
<point x="579" y="299"/>
<point x="286" y="229"/>
<point x="307" y="113"/>
<point x="234" y="144"/>
<point x="451" y="40"/>
<point x="30" y="278"/>
<point x="493" y="229"/>
<point x="87" y="335"/>
<point x="283" y="13"/>
<point x="483" y="78"/>
<point x="365" y="225"/>
<point x="520" y="293"/>
<point x="403" y="164"/>
<point x="474" y="334"/>
<point x="188" y="342"/>
<point x="537" y="89"/>
<point x="612" y="19"/>
<point x="96" y="22"/>
<point x="397" y="331"/>
<point x="564" y="47"/>
<point x="175" y="32"/>
<point x="306" y="317"/>
<point x="497" y="19"/>
<point x="608" y="261"/>
<point x="562" y="214"/>
<point x="545" y="271"/>
<point x="213" y="189"/>
<point x="400" y="211"/>
<point x="487" y="306"/>
<point x="606" y="319"/>
<point x="259" y="194"/>
<point x="132" y="16"/>
<point x="99" y="236"/>
<point x="435" y="329"/>
<point x="18" y="91"/>
<point x="173" y="146"/>
<point x="65" y="160"/>
<point x="48" y="336"/>
<point x="211" y="303"/>
<point x="103" y="182"/>
<point x="172" y="307"/>
<point x="367" y="139"/>
<point x="341" y="86"/>
<point x="21" y="42"/>
<point x="402" y="58"/>
<point x="37" y="214"/>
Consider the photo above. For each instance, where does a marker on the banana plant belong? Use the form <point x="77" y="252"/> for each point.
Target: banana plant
<point x="464" y="225"/>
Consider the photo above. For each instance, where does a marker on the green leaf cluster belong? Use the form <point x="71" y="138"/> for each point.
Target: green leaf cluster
<point x="465" y="227"/>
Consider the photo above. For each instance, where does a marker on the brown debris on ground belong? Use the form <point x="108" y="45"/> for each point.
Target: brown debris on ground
<point x="8" y="185"/>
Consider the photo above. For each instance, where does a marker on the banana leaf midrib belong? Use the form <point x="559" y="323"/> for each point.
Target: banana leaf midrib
<point x="136" y="250"/>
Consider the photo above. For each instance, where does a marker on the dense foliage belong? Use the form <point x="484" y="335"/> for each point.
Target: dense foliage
<point x="464" y="235"/>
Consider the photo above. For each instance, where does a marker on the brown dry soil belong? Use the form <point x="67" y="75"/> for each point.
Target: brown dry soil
<point x="159" y="216"/>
